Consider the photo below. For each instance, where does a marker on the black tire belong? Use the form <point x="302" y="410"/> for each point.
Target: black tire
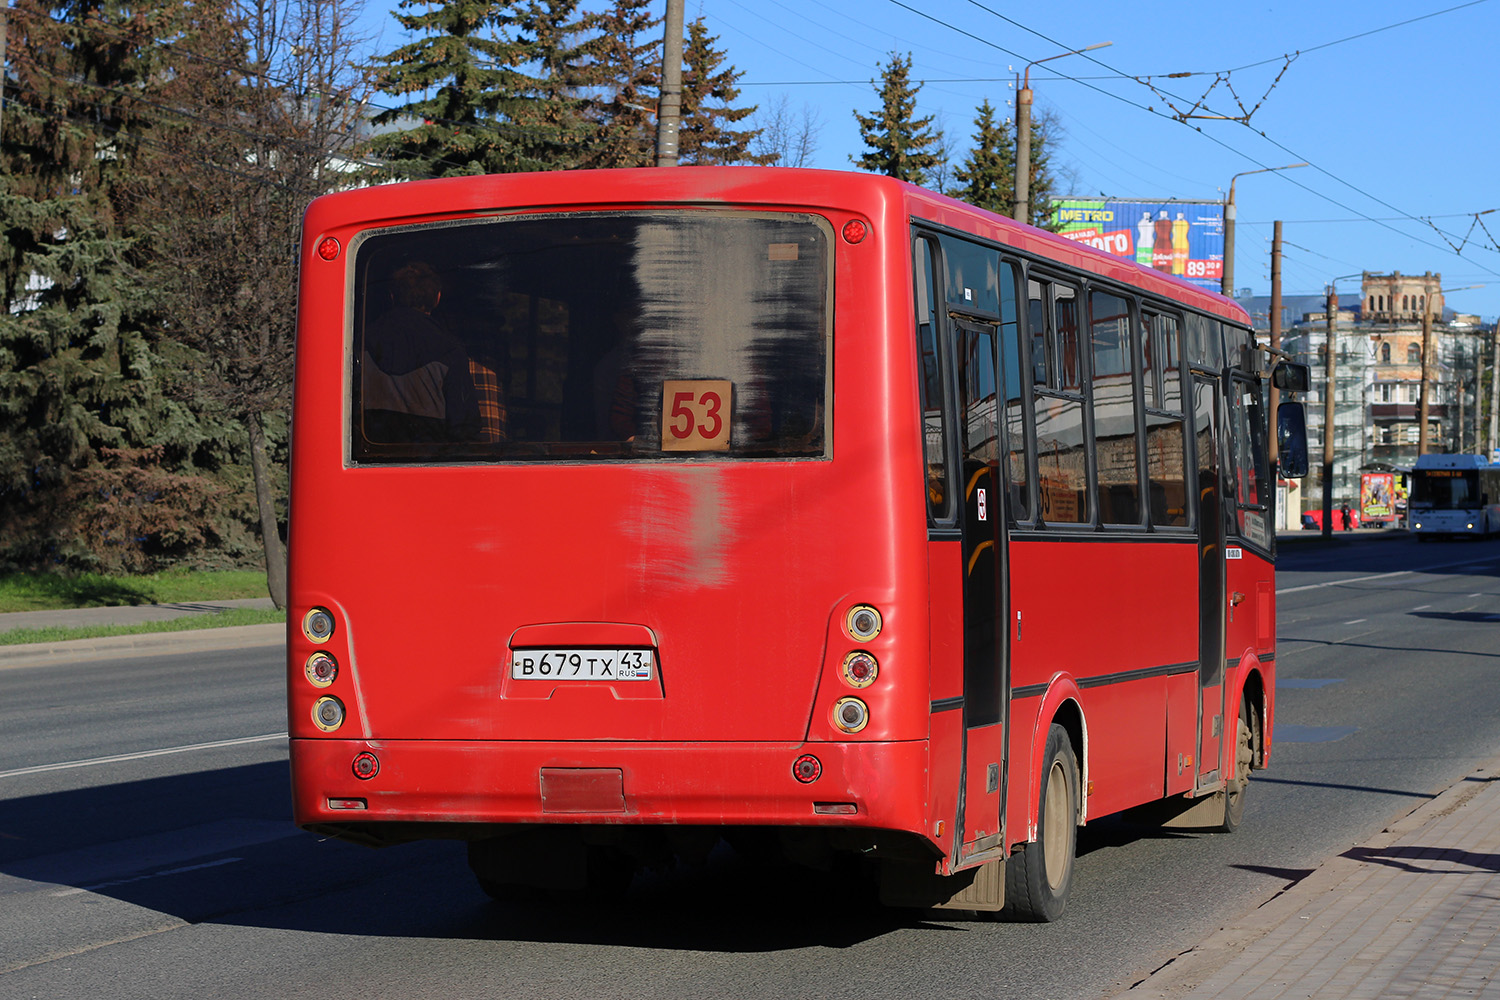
<point x="1239" y="781"/>
<point x="1039" y="877"/>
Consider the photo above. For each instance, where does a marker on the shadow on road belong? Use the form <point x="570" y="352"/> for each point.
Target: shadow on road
<point x="273" y="876"/>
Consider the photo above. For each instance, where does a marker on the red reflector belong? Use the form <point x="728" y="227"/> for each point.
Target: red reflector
<point x="807" y="768"/>
<point x="328" y="249"/>
<point x="346" y="804"/>
<point x="835" y="808"/>
<point x="366" y="766"/>
<point x="855" y="231"/>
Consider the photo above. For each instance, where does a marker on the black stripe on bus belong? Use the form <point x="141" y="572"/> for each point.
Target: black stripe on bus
<point x="947" y="704"/>
<point x="1267" y="657"/>
<point x="1124" y="676"/>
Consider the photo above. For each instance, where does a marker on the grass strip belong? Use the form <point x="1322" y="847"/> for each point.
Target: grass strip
<point x="187" y="623"/>
<point x="53" y="591"/>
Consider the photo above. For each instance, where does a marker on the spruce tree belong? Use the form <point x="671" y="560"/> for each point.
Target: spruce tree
<point x="987" y="179"/>
<point x="81" y="352"/>
<point x="629" y="64"/>
<point x="900" y="144"/>
<point x="552" y="120"/>
<point x="705" y="135"/>
<point x="467" y="87"/>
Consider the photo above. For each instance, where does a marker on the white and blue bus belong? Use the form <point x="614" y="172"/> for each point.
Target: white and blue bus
<point x="1454" y="495"/>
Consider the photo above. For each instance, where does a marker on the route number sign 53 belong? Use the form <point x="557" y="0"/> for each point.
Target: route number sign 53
<point x="695" y="414"/>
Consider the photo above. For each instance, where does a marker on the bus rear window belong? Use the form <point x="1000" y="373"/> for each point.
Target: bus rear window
<point x="588" y="337"/>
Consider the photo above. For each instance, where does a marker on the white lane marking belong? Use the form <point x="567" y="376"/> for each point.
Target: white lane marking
<point x="1419" y="607"/>
<point x="1381" y="576"/>
<point x="141" y="878"/>
<point x="142" y="755"/>
<point x="1357" y="621"/>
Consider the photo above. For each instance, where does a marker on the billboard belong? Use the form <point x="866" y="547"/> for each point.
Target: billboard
<point x="1185" y="238"/>
<point x="1377" y="496"/>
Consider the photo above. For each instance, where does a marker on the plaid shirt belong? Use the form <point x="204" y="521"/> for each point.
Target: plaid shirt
<point x="491" y="403"/>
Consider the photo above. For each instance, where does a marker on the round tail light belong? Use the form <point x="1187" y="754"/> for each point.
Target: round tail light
<point x="807" y="768"/>
<point x="317" y="624"/>
<point x="321" y="669"/>
<point x="860" y="669"/>
<point x="850" y="714"/>
<point x="862" y="623"/>
<point x="328" y="714"/>
<point x="366" y="766"/>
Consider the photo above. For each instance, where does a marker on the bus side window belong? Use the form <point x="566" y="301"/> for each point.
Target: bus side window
<point x="1057" y="404"/>
<point x="930" y="386"/>
<point x="1013" y="380"/>
<point x="1166" y="469"/>
<point x="1247" y="437"/>
<point x="1119" y="481"/>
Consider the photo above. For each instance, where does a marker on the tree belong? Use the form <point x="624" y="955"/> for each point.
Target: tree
<point x="268" y="139"/>
<point x="627" y="89"/>
<point x="988" y="177"/>
<point x="900" y="144"/>
<point x="786" y="138"/>
<point x="704" y="135"/>
<point x="467" y="76"/>
<point x="81" y="356"/>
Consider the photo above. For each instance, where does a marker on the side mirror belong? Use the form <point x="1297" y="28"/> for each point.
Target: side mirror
<point x="1291" y="439"/>
<point x="1290" y="376"/>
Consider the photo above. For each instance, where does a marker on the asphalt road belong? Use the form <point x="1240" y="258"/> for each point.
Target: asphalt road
<point x="168" y="875"/>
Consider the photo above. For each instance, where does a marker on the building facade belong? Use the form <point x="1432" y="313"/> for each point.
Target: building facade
<point x="1378" y="376"/>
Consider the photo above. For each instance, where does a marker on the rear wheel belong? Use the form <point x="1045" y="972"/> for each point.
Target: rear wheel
<point x="1039" y="877"/>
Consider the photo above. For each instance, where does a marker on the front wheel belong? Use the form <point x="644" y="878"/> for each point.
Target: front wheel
<point x="1039" y="877"/>
<point x="1239" y="781"/>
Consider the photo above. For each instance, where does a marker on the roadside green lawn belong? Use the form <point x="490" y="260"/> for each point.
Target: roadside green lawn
<point x="50" y="592"/>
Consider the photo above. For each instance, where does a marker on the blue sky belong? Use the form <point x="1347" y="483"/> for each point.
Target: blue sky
<point x="1394" y="105"/>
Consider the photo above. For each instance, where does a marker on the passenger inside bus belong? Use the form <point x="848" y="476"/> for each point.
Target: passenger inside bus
<point x="417" y="384"/>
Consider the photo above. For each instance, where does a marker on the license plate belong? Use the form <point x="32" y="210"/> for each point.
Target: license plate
<point x="582" y="664"/>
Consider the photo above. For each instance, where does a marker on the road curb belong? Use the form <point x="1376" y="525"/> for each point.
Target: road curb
<point x="144" y="644"/>
<point x="1192" y="968"/>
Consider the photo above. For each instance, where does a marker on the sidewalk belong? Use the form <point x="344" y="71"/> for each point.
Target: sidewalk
<point x="1414" y="912"/>
<point x="34" y="654"/>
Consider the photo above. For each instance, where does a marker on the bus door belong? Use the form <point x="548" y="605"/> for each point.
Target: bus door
<point x="985" y="656"/>
<point x="1207" y="425"/>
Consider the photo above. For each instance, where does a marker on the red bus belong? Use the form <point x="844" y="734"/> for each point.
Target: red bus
<point x="636" y="509"/>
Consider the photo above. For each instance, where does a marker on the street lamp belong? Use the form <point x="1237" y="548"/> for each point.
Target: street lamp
<point x="1422" y="392"/>
<point x="1022" y="210"/>
<point x="1226" y="282"/>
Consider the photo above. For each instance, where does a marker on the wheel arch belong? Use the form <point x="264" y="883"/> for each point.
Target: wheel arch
<point x="1062" y="705"/>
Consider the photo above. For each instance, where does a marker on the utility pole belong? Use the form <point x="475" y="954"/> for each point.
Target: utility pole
<point x="669" y="109"/>
<point x="1275" y="443"/>
<point x="1495" y="392"/>
<point x="1329" y="350"/>
<point x="3" y="26"/>
<point x="1425" y="388"/>
<point x="1022" y="210"/>
<point x="1226" y="280"/>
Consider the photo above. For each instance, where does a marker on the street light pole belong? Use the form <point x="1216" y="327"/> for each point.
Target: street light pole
<point x="1226" y="281"/>
<point x="1022" y="210"/>
<point x="1425" y="389"/>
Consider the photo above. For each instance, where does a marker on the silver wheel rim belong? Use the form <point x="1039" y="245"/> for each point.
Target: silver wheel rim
<point x="1056" y="817"/>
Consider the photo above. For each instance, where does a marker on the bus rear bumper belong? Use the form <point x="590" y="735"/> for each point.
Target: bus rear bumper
<point x="466" y="788"/>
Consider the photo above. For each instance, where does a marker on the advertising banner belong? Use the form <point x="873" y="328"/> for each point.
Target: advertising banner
<point x="1377" y="496"/>
<point x="1185" y="238"/>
